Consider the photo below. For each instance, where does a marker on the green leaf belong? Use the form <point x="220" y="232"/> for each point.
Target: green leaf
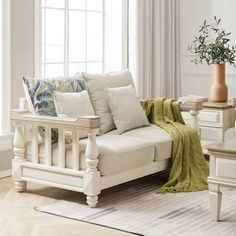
<point x="211" y="44"/>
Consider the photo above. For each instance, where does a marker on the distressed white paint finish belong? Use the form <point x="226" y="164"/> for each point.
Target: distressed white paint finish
<point x="215" y="201"/>
<point x="61" y="147"/>
<point x="18" y="142"/>
<point x="75" y="149"/>
<point x="35" y="145"/>
<point x="194" y="119"/>
<point x="19" y="151"/>
<point x="222" y="173"/>
<point x="90" y="181"/>
<point x="215" y="116"/>
<point x="91" y="151"/>
<point x="48" y="147"/>
<point x="92" y="175"/>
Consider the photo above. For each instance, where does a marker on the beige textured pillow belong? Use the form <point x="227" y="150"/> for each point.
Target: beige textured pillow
<point x="126" y="109"/>
<point x="73" y="104"/>
<point x="97" y="85"/>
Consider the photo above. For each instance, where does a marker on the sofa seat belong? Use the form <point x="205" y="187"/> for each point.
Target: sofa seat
<point x="152" y="134"/>
<point x="117" y="153"/>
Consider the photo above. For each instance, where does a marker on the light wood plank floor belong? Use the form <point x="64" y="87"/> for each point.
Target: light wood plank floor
<point x="18" y="217"/>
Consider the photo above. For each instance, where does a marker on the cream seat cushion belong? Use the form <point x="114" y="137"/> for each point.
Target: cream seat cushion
<point x="97" y="85"/>
<point x="155" y="135"/>
<point x="116" y="153"/>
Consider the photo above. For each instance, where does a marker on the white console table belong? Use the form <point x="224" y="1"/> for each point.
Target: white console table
<point x="215" y="115"/>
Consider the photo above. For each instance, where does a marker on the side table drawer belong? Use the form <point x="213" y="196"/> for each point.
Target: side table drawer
<point x="206" y="117"/>
<point x="209" y="116"/>
<point x="225" y="168"/>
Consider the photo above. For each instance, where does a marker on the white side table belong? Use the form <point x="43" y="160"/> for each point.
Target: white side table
<point x="222" y="173"/>
<point x="192" y="108"/>
<point x="218" y="115"/>
<point x="214" y="115"/>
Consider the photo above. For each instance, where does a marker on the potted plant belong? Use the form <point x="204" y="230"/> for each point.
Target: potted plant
<point x="211" y="46"/>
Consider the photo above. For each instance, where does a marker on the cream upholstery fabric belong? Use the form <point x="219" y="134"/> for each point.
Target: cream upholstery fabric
<point x="116" y="153"/>
<point x="126" y="109"/>
<point x="155" y="135"/>
<point x="97" y="85"/>
<point x="73" y="104"/>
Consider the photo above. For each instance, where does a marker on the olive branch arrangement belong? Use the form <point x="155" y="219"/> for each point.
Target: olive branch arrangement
<point x="211" y="45"/>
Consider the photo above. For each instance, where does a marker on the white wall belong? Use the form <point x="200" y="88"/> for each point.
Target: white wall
<point x="5" y="160"/>
<point x="22" y="45"/>
<point x="197" y="79"/>
<point x="194" y="79"/>
<point x="22" y="57"/>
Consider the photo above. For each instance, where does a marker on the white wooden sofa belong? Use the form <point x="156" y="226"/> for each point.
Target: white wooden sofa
<point x="81" y="174"/>
<point x="91" y="164"/>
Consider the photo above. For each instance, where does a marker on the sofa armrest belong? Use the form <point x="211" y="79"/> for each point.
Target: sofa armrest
<point x="89" y="122"/>
<point x="193" y="107"/>
<point x="22" y="119"/>
<point x="190" y="105"/>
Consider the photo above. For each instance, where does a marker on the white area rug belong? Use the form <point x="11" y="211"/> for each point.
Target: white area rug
<point x="135" y="207"/>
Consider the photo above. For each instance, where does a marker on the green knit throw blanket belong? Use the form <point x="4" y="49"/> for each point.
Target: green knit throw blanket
<point x="189" y="169"/>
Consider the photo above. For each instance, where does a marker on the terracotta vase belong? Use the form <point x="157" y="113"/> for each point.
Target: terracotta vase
<point x="219" y="90"/>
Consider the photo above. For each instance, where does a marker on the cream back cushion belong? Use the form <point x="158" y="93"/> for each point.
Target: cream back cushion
<point x="97" y="85"/>
<point x="126" y="109"/>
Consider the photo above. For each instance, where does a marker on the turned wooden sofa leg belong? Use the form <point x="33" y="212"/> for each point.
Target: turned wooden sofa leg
<point x="92" y="201"/>
<point x="92" y="181"/>
<point x="20" y="186"/>
<point x="19" y="151"/>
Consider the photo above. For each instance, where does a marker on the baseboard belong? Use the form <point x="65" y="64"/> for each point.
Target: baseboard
<point x="5" y="173"/>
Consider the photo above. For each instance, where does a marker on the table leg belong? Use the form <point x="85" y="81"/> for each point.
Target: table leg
<point x="215" y="201"/>
<point x="221" y="135"/>
<point x="194" y="119"/>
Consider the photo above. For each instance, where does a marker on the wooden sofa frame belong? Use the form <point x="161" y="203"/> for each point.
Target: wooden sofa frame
<point x="89" y="182"/>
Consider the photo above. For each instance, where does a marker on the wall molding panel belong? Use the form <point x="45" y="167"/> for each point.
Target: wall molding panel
<point x="208" y="75"/>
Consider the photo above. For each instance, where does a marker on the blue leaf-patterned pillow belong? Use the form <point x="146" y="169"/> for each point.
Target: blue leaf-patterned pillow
<point x="41" y="92"/>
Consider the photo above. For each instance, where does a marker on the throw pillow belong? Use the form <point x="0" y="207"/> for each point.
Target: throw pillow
<point x="126" y="109"/>
<point x="73" y="104"/>
<point x="97" y="85"/>
<point x="39" y="95"/>
<point x="39" y="92"/>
